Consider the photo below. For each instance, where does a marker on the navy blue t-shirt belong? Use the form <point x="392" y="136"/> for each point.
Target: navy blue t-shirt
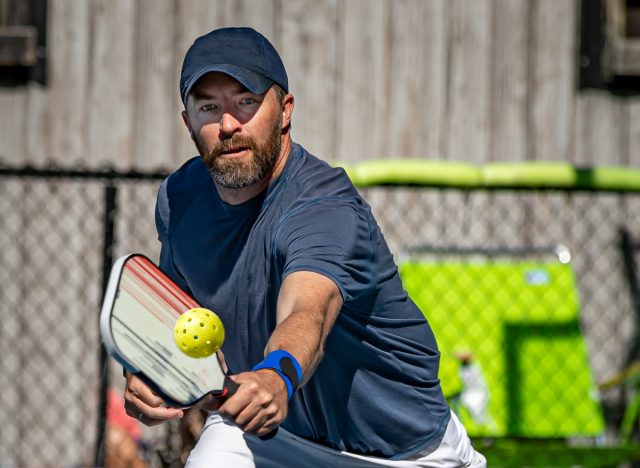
<point x="376" y="391"/>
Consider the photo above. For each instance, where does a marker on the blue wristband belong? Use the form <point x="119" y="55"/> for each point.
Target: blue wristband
<point x="286" y="366"/>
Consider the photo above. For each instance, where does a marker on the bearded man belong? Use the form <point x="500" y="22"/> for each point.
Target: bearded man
<point x="321" y="338"/>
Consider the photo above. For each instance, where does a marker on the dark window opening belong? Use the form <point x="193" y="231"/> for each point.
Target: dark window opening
<point x="610" y="45"/>
<point x="633" y="18"/>
<point x="23" y="46"/>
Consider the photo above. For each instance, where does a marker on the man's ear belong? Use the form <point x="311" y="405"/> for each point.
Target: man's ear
<point x="187" y="123"/>
<point x="287" y="110"/>
<point x="185" y="119"/>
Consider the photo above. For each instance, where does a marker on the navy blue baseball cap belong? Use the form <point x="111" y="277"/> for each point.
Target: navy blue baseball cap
<point x="242" y="53"/>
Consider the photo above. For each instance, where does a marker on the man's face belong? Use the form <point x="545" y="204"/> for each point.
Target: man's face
<point x="237" y="133"/>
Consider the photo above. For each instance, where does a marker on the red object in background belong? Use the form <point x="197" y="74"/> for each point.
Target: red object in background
<point x="117" y="416"/>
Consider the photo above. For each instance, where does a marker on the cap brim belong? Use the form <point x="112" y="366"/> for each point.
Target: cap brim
<point x="253" y="81"/>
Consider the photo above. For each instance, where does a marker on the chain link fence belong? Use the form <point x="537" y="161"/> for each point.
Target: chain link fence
<point x="532" y="295"/>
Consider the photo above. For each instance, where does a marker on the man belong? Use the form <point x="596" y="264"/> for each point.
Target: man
<point x="321" y="338"/>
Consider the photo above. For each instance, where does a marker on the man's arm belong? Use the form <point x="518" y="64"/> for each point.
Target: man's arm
<point x="308" y="304"/>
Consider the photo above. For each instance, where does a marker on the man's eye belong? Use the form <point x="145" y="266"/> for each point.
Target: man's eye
<point x="248" y="101"/>
<point x="207" y="108"/>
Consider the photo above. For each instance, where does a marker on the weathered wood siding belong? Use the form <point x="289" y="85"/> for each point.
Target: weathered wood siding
<point x="471" y="80"/>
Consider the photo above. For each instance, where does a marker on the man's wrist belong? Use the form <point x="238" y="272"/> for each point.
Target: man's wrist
<point x="286" y="366"/>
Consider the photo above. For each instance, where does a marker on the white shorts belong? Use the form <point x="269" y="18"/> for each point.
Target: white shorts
<point x="224" y="444"/>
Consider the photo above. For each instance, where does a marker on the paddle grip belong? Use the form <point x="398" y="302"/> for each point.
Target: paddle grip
<point x="229" y="389"/>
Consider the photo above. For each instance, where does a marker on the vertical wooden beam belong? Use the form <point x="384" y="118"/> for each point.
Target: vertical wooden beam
<point x="364" y="103"/>
<point x="67" y="132"/>
<point x="310" y="53"/>
<point x="552" y="61"/>
<point x="13" y="125"/>
<point x="467" y="119"/>
<point x="156" y="84"/>
<point x="508" y="82"/>
<point x="109" y="109"/>
<point x="632" y="143"/>
<point x="416" y="79"/>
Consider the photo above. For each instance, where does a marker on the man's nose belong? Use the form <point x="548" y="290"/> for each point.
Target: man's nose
<point x="229" y="125"/>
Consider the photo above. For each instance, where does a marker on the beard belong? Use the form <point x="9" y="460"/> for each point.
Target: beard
<point x="242" y="172"/>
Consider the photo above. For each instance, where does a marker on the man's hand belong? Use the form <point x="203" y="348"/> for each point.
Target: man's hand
<point x="260" y="403"/>
<point x="144" y="405"/>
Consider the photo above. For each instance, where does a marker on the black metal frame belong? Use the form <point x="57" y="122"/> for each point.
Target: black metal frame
<point x="629" y="248"/>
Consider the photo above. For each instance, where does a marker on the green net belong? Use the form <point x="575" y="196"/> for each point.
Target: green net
<point x="514" y="362"/>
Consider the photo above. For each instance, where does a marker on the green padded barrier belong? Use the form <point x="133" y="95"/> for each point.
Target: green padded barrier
<point x="559" y="176"/>
<point x="514" y="175"/>
<point x="533" y="174"/>
<point x="414" y="172"/>
<point x="514" y="362"/>
<point x="612" y="178"/>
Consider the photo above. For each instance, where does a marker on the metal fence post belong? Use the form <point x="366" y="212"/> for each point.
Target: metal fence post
<point x="110" y="213"/>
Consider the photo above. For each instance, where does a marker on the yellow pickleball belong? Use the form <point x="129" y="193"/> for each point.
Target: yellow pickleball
<point x="198" y="333"/>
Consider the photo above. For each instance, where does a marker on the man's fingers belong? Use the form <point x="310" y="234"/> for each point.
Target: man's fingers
<point x="145" y="406"/>
<point x="241" y="399"/>
<point x="137" y="388"/>
<point x="262" y="423"/>
<point x="136" y="407"/>
<point x="258" y="405"/>
<point x="260" y="411"/>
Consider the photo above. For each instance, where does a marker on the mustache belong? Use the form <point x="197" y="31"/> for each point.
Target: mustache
<point x="236" y="141"/>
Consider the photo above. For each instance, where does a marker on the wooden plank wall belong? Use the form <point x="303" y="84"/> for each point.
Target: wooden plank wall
<point x="470" y="80"/>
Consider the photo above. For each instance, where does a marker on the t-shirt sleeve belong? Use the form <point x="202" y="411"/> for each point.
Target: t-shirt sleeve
<point x="331" y="237"/>
<point x="162" y="218"/>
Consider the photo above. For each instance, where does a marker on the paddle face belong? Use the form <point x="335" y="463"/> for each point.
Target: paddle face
<point x="140" y="309"/>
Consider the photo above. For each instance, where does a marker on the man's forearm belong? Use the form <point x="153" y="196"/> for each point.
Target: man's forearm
<point x="301" y="336"/>
<point x="308" y="306"/>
